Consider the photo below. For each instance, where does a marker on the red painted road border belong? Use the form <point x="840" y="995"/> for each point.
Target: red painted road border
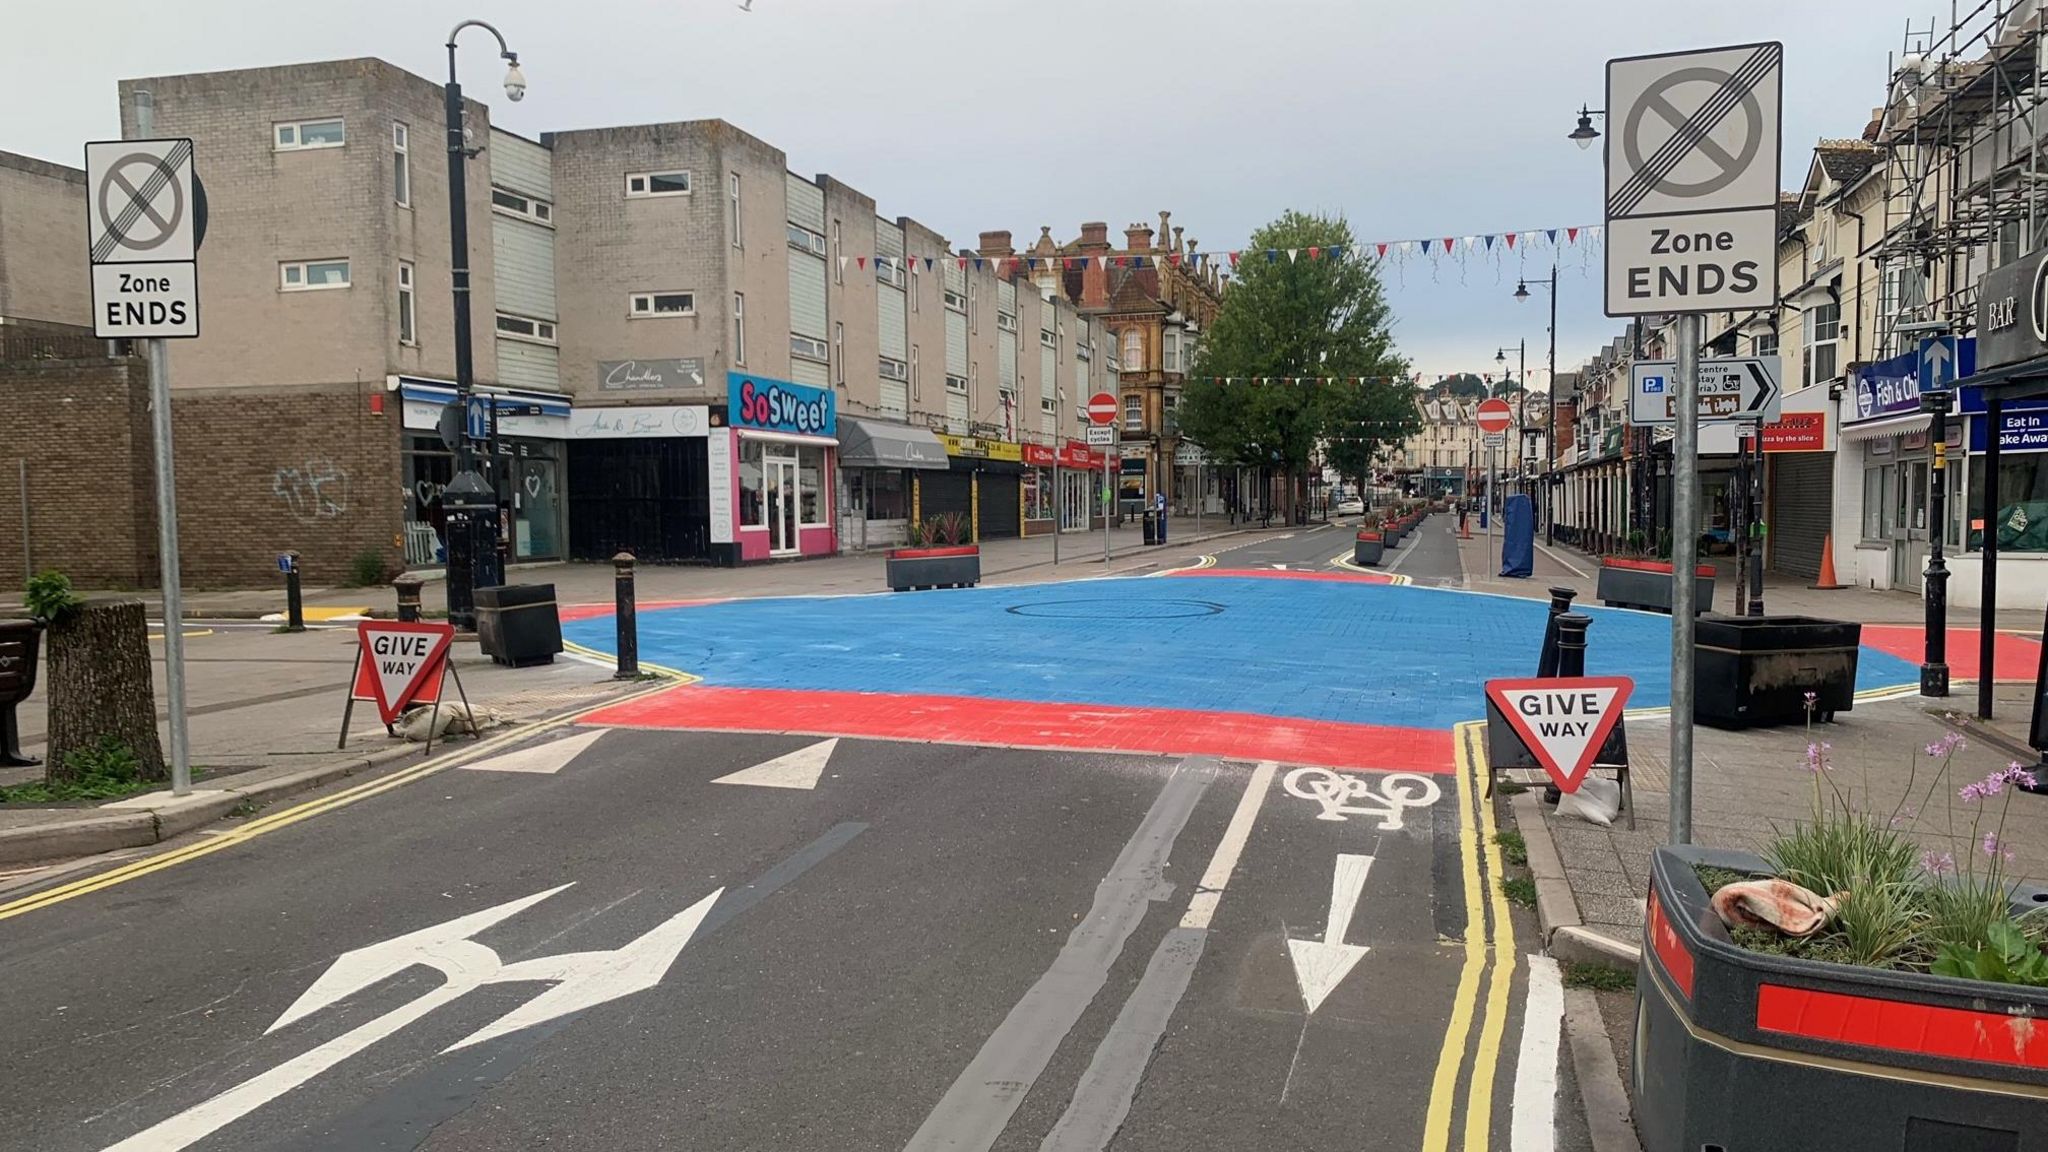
<point x="1036" y="724"/>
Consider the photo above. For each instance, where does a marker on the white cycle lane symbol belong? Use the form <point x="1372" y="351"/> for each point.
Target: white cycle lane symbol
<point x="1343" y="795"/>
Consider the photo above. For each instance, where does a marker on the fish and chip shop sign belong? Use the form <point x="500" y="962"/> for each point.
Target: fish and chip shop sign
<point x="779" y="406"/>
<point x="1888" y="387"/>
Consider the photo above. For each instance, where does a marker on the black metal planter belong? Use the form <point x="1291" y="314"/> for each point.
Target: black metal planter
<point x="1646" y="584"/>
<point x="957" y="567"/>
<point x="518" y="624"/>
<point x="1757" y="670"/>
<point x="1737" y="1049"/>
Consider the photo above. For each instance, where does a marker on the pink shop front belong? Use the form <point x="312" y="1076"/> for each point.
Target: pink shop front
<point x="783" y="446"/>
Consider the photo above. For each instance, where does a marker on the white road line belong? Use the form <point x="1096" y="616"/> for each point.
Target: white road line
<point x="1535" y="1110"/>
<point x="1581" y="573"/>
<point x="1210" y="889"/>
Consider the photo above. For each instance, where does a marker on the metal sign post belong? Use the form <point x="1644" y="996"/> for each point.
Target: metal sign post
<point x="1692" y="191"/>
<point x="145" y="218"/>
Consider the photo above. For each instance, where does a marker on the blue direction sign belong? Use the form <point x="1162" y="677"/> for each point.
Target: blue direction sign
<point x="1946" y="359"/>
<point x="479" y="418"/>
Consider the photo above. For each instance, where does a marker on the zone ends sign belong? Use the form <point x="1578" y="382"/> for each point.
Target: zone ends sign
<point x="1708" y="263"/>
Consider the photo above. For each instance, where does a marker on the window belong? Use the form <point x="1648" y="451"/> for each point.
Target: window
<point x="401" y="165"/>
<point x="303" y="134"/>
<point x="888" y="495"/>
<point x="739" y="328"/>
<point x="663" y="304"/>
<point x="1823" y="328"/>
<point x="1134" y="350"/>
<point x="1876" y="495"/>
<point x="892" y="369"/>
<point x="1049" y="407"/>
<point x="1169" y="357"/>
<point x="305" y="275"/>
<point x="1083" y="350"/>
<point x="806" y="348"/>
<point x="839" y="352"/>
<point x="526" y="328"/>
<point x="973" y="315"/>
<point x="913" y="284"/>
<point x="813" y="510"/>
<point x="1046" y="338"/>
<point x="523" y="206"/>
<point x="915" y="381"/>
<point x="1134" y="413"/>
<point x="889" y="271"/>
<point x="1168" y="408"/>
<point x="1765" y="345"/>
<point x="733" y="207"/>
<point x="658" y="183"/>
<point x="753" y="509"/>
<point x="839" y="254"/>
<point x="804" y="240"/>
<point x="955" y="301"/>
<point x="956" y="384"/>
<point x="1007" y="321"/>
<point x="406" y="333"/>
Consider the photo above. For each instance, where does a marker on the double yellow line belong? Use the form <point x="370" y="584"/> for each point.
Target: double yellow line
<point x="1494" y="966"/>
<point x="306" y="811"/>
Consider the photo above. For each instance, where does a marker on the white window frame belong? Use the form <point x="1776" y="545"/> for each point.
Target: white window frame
<point x="286" y="283"/>
<point x="889" y="369"/>
<point x="1048" y="406"/>
<point x="1133" y="341"/>
<point x="296" y="129"/>
<point x="646" y="179"/>
<point x="808" y="348"/>
<point x="408" y="306"/>
<point x="839" y="351"/>
<point x="1134" y="413"/>
<point x="916" y="377"/>
<point x="1169" y="355"/>
<point x="957" y="385"/>
<point x="914" y="293"/>
<point x="838" y="252"/>
<point x="641" y="305"/>
<point x="739" y="328"/>
<point x="1810" y="330"/>
<point x="1006" y="321"/>
<point x="956" y="301"/>
<point x="1765" y="345"/>
<point x="401" y="163"/>
<point x="535" y="330"/>
<point x="732" y="186"/>
<point x="804" y="240"/>
<point x="889" y="271"/>
<point x="1047" y="339"/>
<point x="532" y="209"/>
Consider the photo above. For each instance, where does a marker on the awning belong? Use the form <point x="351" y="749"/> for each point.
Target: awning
<point x="880" y="444"/>
<point x="443" y="392"/>
<point x="1888" y="427"/>
<point x="786" y="438"/>
<point x="2019" y="381"/>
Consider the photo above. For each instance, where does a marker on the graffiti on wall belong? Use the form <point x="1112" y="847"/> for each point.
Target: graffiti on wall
<point x="313" y="491"/>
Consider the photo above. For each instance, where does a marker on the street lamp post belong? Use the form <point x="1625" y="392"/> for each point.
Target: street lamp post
<point x="1500" y="357"/>
<point x="471" y="504"/>
<point x="1934" y="664"/>
<point x="1550" y="437"/>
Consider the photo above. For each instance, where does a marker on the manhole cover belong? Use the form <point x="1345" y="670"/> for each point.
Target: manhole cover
<point x="1112" y="609"/>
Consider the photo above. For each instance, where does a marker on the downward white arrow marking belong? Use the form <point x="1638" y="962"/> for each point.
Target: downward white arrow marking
<point x="1319" y="966"/>
<point x="798" y="769"/>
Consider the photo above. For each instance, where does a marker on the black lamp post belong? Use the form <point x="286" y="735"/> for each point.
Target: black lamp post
<point x="471" y="505"/>
<point x="1934" y="667"/>
<point x="1585" y="133"/>
<point x="1550" y="444"/>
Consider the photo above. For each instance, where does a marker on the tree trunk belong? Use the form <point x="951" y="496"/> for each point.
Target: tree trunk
<point x="100" y="685"/>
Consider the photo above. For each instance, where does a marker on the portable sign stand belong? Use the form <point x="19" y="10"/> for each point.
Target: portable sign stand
<point x="1693" y="159"/>
<point x="1565" y="726"/>
<point x="399" y="665"/>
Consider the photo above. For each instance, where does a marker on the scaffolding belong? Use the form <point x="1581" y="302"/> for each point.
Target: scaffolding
<point x="1961" y="131"/>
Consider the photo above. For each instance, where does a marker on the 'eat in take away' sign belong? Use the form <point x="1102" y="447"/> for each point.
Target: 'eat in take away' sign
<point x="1563" y="722"/>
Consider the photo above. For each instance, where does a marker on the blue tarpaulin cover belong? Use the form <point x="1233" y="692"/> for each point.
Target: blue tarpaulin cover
<point x="1518" y="536"/>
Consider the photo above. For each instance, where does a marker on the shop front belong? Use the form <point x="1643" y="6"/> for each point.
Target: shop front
<point x="983" y="482"/>
<point x="784" y="443"/>
<point x="1081" y="479"/>
<point x="652" y="480"/>
<point x="878" y="460"/>
<point x="1888" y="435"/>
<point x="1799" y="486"/>
<point x="528" y="474"/>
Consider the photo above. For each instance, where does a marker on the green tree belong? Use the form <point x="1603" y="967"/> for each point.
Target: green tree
<point x="1305" y="317"/>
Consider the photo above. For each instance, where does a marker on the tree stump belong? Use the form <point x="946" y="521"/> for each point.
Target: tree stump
<point x="100" y="685"/>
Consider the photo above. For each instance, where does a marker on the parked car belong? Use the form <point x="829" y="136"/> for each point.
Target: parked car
<point x="1351" y="507"/>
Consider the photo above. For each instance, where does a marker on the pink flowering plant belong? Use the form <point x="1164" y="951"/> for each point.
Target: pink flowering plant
<point x="1945" y="911"/>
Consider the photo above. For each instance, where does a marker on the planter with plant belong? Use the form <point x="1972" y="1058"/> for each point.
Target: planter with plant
<point x="1641" y="582"/>
<point x="934" y="557"/>
<point x="1369" y="548"/>
<point x="1846" y="990"/>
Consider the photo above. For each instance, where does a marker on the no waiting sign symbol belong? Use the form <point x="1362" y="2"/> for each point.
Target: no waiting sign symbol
<point x="1697" y="131"/>
<point x="144" y="205"/>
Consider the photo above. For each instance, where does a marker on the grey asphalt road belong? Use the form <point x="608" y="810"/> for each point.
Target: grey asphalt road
<point x="934" y="948"/>
<point x="1429" y="555"/>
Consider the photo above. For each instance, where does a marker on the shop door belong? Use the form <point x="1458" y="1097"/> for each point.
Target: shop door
<point x="782" y="505"/>
<point x="1909" y="524"/>
<point x="999" y="497"/>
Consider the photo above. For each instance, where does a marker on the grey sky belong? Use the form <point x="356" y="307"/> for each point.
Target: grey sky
<point x="1415" y="119"/>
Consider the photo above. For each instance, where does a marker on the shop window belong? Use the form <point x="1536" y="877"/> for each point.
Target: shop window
<point x="810" y="487"/>
<point x="888" y="496"/>
<point x="2022" y="506"/>
<point x="1876" y="500"/>
<point x="753" y="512"/>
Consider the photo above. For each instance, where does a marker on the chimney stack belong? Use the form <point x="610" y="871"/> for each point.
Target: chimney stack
<point x="1094" y="271"/>
<point x="996" y="244"/>
<point x="1094" y="235"/>
<point x="1177" y="245"/>
<point x="1138" y="239"/>
<point x="1165" y="228"/>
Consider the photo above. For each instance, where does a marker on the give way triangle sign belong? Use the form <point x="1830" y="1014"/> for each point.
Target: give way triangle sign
<point x="1563" y="722"/>
<point x="400" y="664"/>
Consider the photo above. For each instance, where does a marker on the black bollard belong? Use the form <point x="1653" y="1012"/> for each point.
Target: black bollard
<point x="294" y="605"/>
<point x="408" y="586"/>
<point x="629" y="623"/>
<point x="1571" y="643"/>
<point x="1560" y="603"/>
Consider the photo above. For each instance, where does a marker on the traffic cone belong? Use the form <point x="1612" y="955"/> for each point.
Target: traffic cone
<point x="1827" y="579"/>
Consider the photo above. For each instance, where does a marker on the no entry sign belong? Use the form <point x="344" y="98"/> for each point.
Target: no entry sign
<point x="1102" y="408"/>
<point x="1494" y="415"/>
<point x="399" y="665"/>
<point x="1563" y="722"/>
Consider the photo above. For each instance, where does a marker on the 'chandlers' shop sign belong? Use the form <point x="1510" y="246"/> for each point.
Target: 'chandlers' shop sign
<point x="648" y="375"/>
<point x="2012" y="312"/>
<point x="780" y="406"/>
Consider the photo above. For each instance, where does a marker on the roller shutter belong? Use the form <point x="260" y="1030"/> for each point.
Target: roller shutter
<point x="1802" y="511"/>
<point x="943" y="492"/>
<point x="999" y="497"/>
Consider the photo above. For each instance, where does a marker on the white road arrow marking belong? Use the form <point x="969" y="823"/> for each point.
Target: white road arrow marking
<point x="541" y="759"/>
<point x="1319" y="966"/>
<point x="1281" y="567"/>
<point x="798" y="769"/>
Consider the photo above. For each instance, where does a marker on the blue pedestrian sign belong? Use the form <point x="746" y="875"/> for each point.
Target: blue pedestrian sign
<point x="1946" y="359"/>
<point x="479" y="423"/>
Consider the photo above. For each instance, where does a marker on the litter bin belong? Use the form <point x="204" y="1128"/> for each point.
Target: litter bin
<point x="1757" y="670"/>
<point x="517" y="624"/>
<point x="19" y="640"/>
<point x="1161" y="514"/>
<point x="1151" y="527"/>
